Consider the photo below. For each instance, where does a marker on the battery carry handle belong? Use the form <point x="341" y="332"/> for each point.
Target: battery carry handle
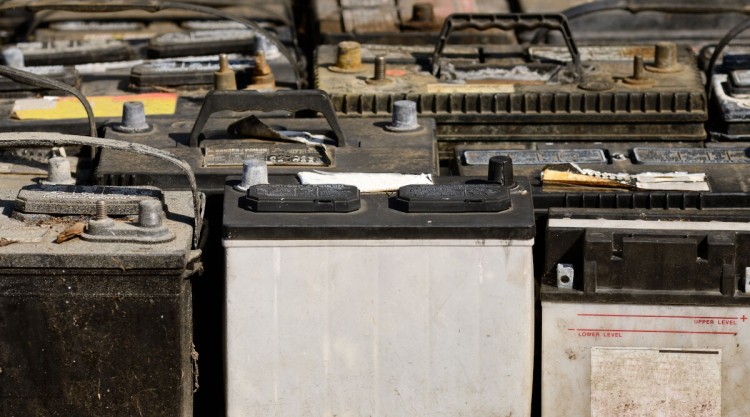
<point x="721" y="46"/>
<point x="292" y="101"/>
<point x="16" y="139"/>
<point x="507" y="21"/>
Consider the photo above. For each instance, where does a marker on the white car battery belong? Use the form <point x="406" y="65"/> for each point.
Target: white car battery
<point x="645" y="313"/>
<point x="419" y="302"/>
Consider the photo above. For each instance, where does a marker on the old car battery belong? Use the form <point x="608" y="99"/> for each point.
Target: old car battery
<point x="95" y="296"/>
<point x="725" y="167"/>
<point x="605" y="93"/>
<point x="399" y="22"/>
<point x="644" y="312"/>
<point x="215" y="151"/>
<point x="413" y="303"/>
<point x="689" y="22"/>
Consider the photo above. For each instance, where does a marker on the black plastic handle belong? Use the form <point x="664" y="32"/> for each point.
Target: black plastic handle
<point x="508" y="21"/>
<point x="151" y="6"/>
<point x="246" y="100"/>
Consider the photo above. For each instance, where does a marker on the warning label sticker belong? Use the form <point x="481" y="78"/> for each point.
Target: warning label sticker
<point x="655" y="382"/>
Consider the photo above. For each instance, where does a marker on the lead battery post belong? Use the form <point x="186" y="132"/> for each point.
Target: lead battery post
<point x="133" y="118"/>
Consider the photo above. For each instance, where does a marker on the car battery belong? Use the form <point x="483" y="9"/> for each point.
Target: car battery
<point x="603" y="94"/>
<point x="644" y="312"/>
<point x="418" y="302"/>
<point x="692" y="22"/>
<point x="176" y="41"/>
<point x="728" y="70"/>
<point x="399" y="22"/>
<point x="217" y="146"/>
<point x="95" y="297"/>
<point x="725" y="167"/>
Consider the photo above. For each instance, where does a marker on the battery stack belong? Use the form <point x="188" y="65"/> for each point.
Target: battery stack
<point x="374" y="208"/>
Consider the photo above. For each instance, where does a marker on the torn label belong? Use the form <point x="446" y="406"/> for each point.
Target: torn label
<point x="572" y="174"/>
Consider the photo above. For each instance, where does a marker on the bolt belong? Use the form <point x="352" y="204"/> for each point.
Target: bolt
<point x="254" y="172"/>
<point x="379" y="74"/>
<point x="565" y="276"/>
<point x="133" y="118"/>
<point x="263" y="78"/>
<point x="422" y="12"/>
<point x="404" y="118"/>
<point x="150" y="213"/>
<point x="224" y="78"/>
<point x="13" y="57"/>
<point x="349" y="58"/>
<point x="101" y="210"/>
<point x="501" y="170"/>
<point x="58" y="171"/>
<point x="637" y="78"/>
<point x="665" y="58"/>
<point x="262" y="44"/>
<point x="379" y="68"/>
<point x="637" y="67"/>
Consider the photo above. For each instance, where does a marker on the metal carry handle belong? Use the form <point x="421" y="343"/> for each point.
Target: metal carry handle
<point x="508" y="21"/>
<point x="36" y="80"/>
<point x="151" y="6"/>
<point x="246" y="100"/>
<point x="14" y="139"/>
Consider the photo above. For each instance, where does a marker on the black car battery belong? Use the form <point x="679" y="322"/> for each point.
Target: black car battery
<point x="602" y="94"/>
<point x="409" y="292"/>
<point x="725" y="167"/>
<point x="399" y="22"/>
<point x="245" y="25"/>
<point x="728" y="70"/>
<point x="644" y="311"/>
<point x="216" y="147"/>
<point x="95" y="296"/>
<point x="692" y="22"/>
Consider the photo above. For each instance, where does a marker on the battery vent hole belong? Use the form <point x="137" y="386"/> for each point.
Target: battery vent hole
<point x="565" y="279"/>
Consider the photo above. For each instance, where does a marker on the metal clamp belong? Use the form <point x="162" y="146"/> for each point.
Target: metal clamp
<point x="510" y="21"/>
<point x="291" y="101"/>
<point x="151" y="6"/>
<point x="14" y="139"/>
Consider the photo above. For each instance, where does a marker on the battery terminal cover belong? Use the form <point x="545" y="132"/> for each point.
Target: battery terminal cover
<point x="454" y="198"/>
<point x="297" y="198"/>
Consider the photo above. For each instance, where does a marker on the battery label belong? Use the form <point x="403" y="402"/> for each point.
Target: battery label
<point x="274" y="154"/>
<point x="202" y="36"/>
<point x="691" y="156"/>
<point x="535" y="157"/>
<point x="369" y="20"/>
<point x="651" y="382"/>
<point x="81" y="26"/>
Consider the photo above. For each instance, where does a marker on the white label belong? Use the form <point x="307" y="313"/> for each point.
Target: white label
<point x="655" y="382"/>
